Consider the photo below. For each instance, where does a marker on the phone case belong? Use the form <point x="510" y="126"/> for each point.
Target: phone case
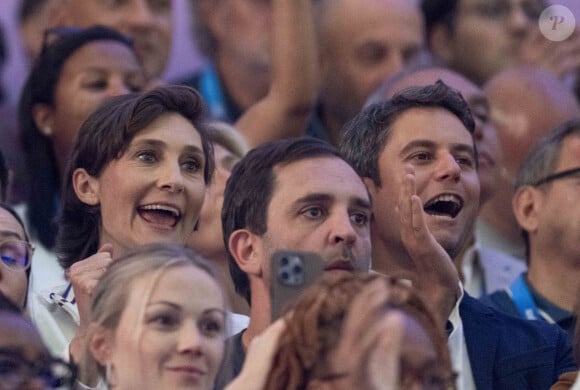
<point x="291" y="273"/>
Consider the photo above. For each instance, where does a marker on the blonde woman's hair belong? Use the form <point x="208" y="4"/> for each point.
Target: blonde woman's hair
<point x="112" y="292"/>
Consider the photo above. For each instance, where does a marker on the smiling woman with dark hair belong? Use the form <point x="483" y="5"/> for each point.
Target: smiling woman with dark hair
<point x="75" y="71"/>
<point x="137" y="174"/>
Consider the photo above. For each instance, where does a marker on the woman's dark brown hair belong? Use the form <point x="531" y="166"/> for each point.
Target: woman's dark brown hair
<point x="104" y="137"/>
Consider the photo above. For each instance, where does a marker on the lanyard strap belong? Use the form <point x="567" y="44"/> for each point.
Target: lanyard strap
<point x="210" y="89"/>
<point x="523" y="299"/>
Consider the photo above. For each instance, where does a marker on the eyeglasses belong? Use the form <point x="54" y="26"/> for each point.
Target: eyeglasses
<point x="501" y="10"/>
<point x="574" y="172"/>
<point x="16" y="254"/>
<point x="54" y="373"/>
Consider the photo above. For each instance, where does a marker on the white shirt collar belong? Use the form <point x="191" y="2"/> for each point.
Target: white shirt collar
<point x="458" y="349"/>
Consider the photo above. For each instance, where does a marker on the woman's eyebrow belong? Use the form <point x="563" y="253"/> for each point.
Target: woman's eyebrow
<point x="10" y="234"/>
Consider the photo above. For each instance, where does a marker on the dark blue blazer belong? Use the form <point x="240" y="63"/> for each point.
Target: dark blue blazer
<point x="507" y="352"/>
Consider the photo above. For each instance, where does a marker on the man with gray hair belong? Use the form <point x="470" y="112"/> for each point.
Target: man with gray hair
<point x="545" y="204"/>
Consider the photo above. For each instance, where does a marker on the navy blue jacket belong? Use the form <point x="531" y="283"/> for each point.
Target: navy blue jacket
<point x="507" y="352"/>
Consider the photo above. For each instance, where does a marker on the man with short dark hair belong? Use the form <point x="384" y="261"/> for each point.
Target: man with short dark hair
<point x="300" y="194"/>
<point x="422" y="140"/>
<point x="545" y="204"/>
<point x="296" y="194"/>
<point x="483" y="269"/>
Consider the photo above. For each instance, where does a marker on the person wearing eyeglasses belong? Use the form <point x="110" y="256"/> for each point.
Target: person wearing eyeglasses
<point x="480" y="38"/>
<point x="15" y="254"/>
<point x="525" y="104"/>
<point x="25" y="363"/>
<point x="545" y="204"/>
<point x="75" y="72"/>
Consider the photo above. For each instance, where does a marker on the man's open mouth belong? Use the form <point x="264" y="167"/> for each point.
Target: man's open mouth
<point x="447" y="205"/>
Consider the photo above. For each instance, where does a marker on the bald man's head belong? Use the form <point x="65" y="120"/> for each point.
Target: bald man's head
<point x="361" y="43"/>
<point x="526" y="103"/>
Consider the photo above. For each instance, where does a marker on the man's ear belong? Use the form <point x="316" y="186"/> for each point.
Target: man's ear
<point x="440" y="43"/>
<point x="527" y="204"/>
<point x="101" y="344"/>
<point x="43" y="116"/>
<point x="86" y="187"/>
<point x="245" y="249"/>
<point x="370" y="184"/>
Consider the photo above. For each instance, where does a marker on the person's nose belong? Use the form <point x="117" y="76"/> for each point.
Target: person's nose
<point x="448" y="168"/>
<point x="117" y="87"/>
<point x="189" y="338"/>
<point x="342" y="229"/>
<point x="140" y="14"/>
<point x="171" y="177"/>
<point x="518" y="21"/>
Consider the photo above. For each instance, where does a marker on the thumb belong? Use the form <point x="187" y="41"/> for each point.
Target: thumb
<point x="106" y="248"/>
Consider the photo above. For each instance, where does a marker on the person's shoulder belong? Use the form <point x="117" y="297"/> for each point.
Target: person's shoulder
<point x="501" y="301"/>
<point x="505" y="311"/>
<point x="512" y="328"/>
<point x="525" y="354"/>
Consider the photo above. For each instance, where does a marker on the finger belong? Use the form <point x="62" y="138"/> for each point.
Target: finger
<point x="93" y="274"/>
<point x="418" y="222"/>
<point x="365" y="307"/>
<point x="407" y="190"/>
<point x="384" y="361"/>
<point x="86" y="287"/>
<point x="356" y="337"/>
<point x="106" y="248"/>
<point x="95" y="262"/>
